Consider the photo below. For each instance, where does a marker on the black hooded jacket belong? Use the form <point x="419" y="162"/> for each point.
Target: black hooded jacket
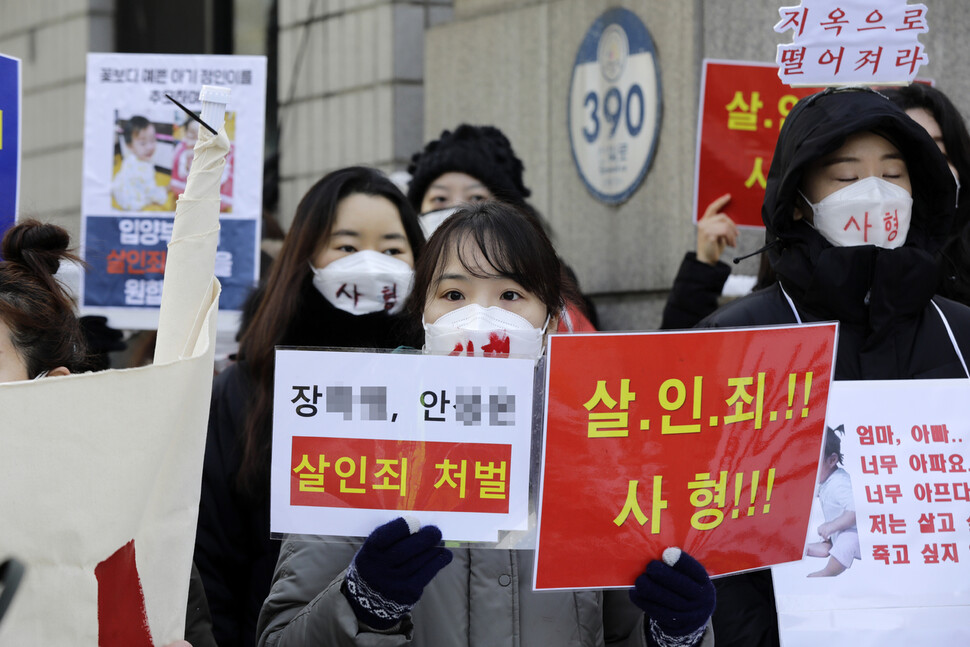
<point x="889" y="329"/>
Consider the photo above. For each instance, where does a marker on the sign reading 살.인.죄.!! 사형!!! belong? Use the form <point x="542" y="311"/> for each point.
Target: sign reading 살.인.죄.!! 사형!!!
<point x="711" y="445"/>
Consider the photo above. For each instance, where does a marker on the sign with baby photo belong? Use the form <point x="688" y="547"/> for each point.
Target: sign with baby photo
<point x="138" y="149"/>
<point x="361" y="438"/>
<point x="707" y="440"/>
<point x="887" y="554"/>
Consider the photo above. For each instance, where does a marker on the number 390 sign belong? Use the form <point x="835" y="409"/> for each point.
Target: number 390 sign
<point x="614" y="105"/>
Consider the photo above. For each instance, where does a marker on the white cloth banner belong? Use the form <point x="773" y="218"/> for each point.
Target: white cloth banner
<point x="905" y="451"/>
<point x="102" y="471"/>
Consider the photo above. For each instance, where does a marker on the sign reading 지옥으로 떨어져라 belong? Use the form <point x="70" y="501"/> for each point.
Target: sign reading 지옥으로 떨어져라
<point x="844" y="42"/>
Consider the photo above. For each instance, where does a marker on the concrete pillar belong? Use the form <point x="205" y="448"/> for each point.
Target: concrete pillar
<point x="350" y="87"/>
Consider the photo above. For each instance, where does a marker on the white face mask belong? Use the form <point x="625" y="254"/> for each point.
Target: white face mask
<point x="432" y="220"/>
<point x="871" y="211"/>
<point x="365" y="282"/>
<point x="478" y="331"/>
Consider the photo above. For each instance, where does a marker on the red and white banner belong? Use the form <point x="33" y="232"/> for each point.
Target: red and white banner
<point x="361" y="438"/>
<point x="742" y="108"/>
<point x="706" y="439"/>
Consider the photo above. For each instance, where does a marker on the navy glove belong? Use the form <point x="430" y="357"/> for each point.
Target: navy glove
<point x="391" y="569"/>
<point x="677" y="597"/>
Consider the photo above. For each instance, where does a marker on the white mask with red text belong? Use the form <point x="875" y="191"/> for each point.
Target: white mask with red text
<point x="365" y="282"/>
<point x="871" y="211"/>
<point x="484" y="332"/>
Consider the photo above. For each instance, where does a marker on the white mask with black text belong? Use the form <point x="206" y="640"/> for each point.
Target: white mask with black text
<point x="871" y="211"/>
<point x="478" y="331"/>
<point x="365" y="282"/>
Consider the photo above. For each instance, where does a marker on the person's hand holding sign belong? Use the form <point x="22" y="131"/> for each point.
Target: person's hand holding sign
<point x="391" y="569"/>
<point x="678" y="598"/>
<point x="715" y="231"/>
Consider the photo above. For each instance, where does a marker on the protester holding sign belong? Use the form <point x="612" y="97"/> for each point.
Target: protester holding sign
<point x="340" y="280"/>
<point x="932" y="109"/>
<point x="702" y="275"/>
<point x="843" y="156"/>
<point x="489" y="273"/>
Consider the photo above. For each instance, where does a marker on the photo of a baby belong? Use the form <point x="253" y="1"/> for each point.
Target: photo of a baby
<point x="839" y="535"/>
<point x="141" y="174"/>
<point x="152" y="158"/>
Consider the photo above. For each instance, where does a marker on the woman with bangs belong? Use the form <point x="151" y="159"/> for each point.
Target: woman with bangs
<point x="488" y="283"/>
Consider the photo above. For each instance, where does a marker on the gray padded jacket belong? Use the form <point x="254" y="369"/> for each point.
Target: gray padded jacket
<point x="484" y="597"/>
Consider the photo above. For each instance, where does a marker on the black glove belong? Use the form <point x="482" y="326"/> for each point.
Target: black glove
<point x="677" y="597"/>
<point x="390" y="571"/>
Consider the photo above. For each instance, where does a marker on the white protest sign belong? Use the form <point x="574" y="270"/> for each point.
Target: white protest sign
<point x="905" y="451"/>
<point x="362" y="438"/>
<point x="851" y="42"/>
<point x="138" y="149"/>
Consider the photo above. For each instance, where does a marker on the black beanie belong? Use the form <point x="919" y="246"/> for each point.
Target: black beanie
<point x="482" y="152"/>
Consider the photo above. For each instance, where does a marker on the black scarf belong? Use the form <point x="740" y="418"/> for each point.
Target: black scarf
<point x="319" y="323"/>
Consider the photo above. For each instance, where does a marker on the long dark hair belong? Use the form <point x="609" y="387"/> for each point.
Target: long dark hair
<point x="280" y="302"/>
<point x="952" y="127"/>
<point x="956" y="252"/>
<point x="512" y="243"/>
<point x="34" y="305"/>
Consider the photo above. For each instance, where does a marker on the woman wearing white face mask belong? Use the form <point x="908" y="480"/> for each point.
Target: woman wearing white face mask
<point x="858" y="201"/>
<point x="487" y="270"/>
<point x="487" y="291"/>
<point x="341" y="280"/>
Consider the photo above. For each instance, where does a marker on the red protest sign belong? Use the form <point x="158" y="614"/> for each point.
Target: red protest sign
<point x="707" y="440"/>
<point x="399" y="474"/>
<point x="742" y="108"/>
